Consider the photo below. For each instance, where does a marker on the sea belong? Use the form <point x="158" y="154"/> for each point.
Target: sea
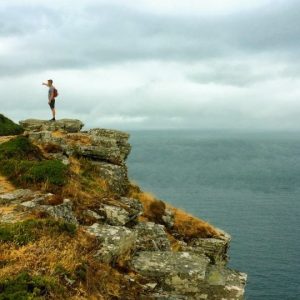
<point x="244" y="182"/>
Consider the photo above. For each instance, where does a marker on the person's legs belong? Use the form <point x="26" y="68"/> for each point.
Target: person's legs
<point x="52" y="106"/>
<point x="53" y="113"/>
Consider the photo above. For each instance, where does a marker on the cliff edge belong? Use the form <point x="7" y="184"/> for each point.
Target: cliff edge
<point x="73" y="226"/>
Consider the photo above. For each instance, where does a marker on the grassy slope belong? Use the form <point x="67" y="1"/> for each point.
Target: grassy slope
<point x="8" y="127"/>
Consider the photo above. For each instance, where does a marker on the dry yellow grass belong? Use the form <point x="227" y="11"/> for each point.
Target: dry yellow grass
<point x="4" y="139"/>
<point x="5" y="185"/>
<point x="58" y="133"/>
<point x="75" y="166"/>
<point x="81" y="138"/>
<point x="190" y="227"/>
<point x="185" y="224"/>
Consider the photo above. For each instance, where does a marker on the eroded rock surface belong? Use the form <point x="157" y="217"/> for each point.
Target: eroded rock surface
<point x="188" y="276"/>
<point x="116" y="242"/>
<point x="151" y="237"/>
<point x="68" y="125"/>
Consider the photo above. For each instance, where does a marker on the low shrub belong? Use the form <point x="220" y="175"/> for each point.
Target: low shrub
<point x="24" y="287"/>
<point x="23" y="173"/>
<point x="22" y="233"/>
<point x="20" y="148"/>
<point x="8" y="127"/>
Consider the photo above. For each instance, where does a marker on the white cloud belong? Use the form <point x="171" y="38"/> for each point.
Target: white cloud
<point x="152" y="64"/>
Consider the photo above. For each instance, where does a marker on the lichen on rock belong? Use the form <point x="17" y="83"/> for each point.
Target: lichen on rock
<point x="124" y="243"/>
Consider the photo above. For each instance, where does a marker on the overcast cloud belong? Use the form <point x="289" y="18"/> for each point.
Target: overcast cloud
<point x="176" y="64"/>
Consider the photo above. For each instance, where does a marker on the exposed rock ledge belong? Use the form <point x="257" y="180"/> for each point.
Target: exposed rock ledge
<point x="196" y="270"/>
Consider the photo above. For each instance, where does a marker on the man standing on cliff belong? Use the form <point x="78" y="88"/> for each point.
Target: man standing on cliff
<point x="51" y="97"/>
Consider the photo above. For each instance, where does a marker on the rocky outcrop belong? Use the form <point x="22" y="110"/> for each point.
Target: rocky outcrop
<point x="97" y="144"/>
<point x="68" y="125"/>
<point x="121" y="212"/>
<point x="106" y="149"/>
<point x="189" y="276"/>
<point x="116" y="243"/>
<point x="23" y="201"/>
<point x="194" y="269"/>
<point x="115" y="176"/>
<point x="151" y="237"/>
<point x="62" y="211"/>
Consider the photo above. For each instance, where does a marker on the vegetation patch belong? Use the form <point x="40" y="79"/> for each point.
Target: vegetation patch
<point x="185" y="226"/>
<point x="25" y="286"/>
<point x="22" y="163"/>
<point x="20" y="148"/>
<point x="8" y="127"/>
<point x="23" y="173"/>
<point x="22" y="233"/>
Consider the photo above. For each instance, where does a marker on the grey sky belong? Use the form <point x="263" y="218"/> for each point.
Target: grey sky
<point x="153" y="64"/>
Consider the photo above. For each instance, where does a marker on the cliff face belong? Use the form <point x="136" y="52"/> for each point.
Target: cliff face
<point x="68" y="212"/>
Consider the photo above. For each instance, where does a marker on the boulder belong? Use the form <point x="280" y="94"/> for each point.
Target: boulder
<point x="216" y="249"/>
<point x="224" y="283"/>
<point x="181" y="272"/>
<point x="116" y="242"/>
<point x="168" y="218"/>
<point x="114" y="215"/>
<point x="121" y="138"/>
<point x="108" y="154"/>
<point x="62" y="211"/>
<point x="121" y="211"/>
<point x="188" y="276"/>
<point x="115" y="176"/>
<point x="15" y="196"/>
<point x="151" y="237"/>
<point x="68" y="125"/>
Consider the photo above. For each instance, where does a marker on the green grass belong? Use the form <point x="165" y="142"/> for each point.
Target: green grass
<point x="23" y="173"/>
<point x="20" y="148"/>
<point x="25" y="287"/>
<point x="8" y="127"/>
<point x="21" y="162"/>
<point x="22" y="233"/>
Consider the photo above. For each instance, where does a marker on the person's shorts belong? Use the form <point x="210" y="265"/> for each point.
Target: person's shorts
<point x="52" y="103"/>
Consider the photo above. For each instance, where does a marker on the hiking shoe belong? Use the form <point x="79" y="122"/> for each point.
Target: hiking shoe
<point x="53" y="119"/>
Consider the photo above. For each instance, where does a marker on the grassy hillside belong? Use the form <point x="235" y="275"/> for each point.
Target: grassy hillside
<point x="8" y="127"/>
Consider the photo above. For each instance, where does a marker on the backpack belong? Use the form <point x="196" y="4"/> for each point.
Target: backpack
<point x="55" y="93"/>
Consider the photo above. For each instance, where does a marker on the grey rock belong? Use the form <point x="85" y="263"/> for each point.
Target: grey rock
<point x="15" y="196"/>
<point x="114" y="215"/>
<point x="133" y="206"/>
<point x="224" y="283"/>
<point x="115" y="176"/>
<point x="120" y="137"/>
<point x="68" y="125"/>
<point x="168" y="218"/>
<point x="93" y="215"/>
<point x="151" y="237"/>
<point x="61" y="211"/>
<point x="176" y="271"/>
<point x="109" y="154"/>
<point x="214" y="248"/>
<point x="121" y="211"/>
<point x="116" y="242"/>
<point x="84" y="144"/>
<point x="189" y="276"/>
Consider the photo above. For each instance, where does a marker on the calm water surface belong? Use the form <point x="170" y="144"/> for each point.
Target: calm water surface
<point x="243" y="182"/>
